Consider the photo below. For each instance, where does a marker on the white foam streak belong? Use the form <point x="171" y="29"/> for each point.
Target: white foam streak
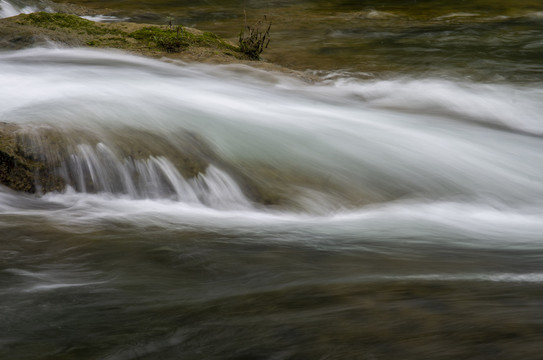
<point x="514" y="107"/>
<point x="463" y="277"/>
<point x="493" y="277"/>
<point x="103" y="18"/>
<point x="452" y="223"/>
<point x="50" y="287"/>
<point x="50" y="280"/>
<point x="456" y="15"/>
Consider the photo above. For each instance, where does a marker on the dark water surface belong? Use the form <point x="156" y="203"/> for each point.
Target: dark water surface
<point x="412" y="215"/>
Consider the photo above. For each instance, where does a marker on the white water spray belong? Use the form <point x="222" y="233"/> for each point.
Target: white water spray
<point x="332" y="145"/>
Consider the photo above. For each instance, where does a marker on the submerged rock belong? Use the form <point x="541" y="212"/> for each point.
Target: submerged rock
<point x="141" y="164"/>
<point x="41" y="159"/>
<point x="34" y="159"/>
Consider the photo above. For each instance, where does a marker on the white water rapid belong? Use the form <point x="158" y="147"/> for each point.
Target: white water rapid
<point x="409" y="158"/>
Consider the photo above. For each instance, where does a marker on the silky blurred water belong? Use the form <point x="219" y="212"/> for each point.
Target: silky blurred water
<point x="412" y="220"/>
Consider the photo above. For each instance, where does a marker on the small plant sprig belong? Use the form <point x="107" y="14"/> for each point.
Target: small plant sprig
<point x="253" y="39"/>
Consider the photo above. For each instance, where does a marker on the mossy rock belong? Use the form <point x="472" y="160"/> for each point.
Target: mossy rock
<point x="176" y="39"/>
<point x="54" y="21"/>
<point x="21" y="168"/>
<point x="30" y="157"/>
<point x="151" y="40"/>
<point x="33" y="158"/>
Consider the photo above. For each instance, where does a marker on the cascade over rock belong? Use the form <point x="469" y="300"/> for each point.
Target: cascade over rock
<point x="40" y="159"/>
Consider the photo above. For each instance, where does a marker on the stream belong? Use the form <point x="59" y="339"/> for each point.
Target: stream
<point x="410" y="215"/>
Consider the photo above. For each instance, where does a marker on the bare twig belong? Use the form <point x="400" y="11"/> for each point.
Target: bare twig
<point x="253" y="40"/>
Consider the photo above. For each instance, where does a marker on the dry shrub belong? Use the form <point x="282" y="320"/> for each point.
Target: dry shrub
<point x="254" y="39"/>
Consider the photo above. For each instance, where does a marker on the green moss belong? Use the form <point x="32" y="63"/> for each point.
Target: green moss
<point x="212" y="39"/>
<point x="149" y="40"/>
<point x="210" y="35"/>
<point x="113" y="42"/>
<point x="175" y="40"/>
<point x="166" y="40"/>
<point x="148" y="33"/>
<point x="65" y="21"/>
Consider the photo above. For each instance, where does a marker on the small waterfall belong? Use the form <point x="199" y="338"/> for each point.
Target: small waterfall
<point x="128" y="163"/>
<point x="99" y="169"/>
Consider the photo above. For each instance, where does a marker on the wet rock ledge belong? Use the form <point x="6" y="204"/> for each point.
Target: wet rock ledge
<point x="39" y="159"/>
<point x="35" y="159"/>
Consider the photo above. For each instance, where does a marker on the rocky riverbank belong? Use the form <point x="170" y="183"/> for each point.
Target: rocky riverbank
<point x="65" y="25"/>
<point x="175" y="42"/>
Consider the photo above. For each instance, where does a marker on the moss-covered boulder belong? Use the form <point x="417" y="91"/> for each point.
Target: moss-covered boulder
<point x="150" y="40"/>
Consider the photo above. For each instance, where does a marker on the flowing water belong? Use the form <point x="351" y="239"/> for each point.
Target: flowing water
<point x="405" y="219"/>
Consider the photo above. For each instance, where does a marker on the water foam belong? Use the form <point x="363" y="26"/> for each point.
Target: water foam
<point x="412" y="141"/>
<point x="516" y="107"/>
<point x="103" y="18"/>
